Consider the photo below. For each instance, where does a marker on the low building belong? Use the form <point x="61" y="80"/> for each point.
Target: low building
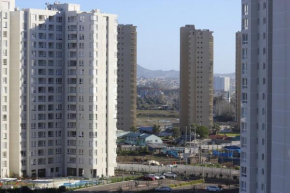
<point x="148" y="130"/>
<point x="129" y="147"/>
<point x="156" y="147"/>
<point x="140" y="139"/>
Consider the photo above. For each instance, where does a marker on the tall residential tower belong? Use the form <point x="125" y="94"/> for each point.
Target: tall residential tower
<point x="257" y="136"/>
<point x="6" y="6"/>
<point x="239" y="72"/>
<point x="196" y="77"/>
<point x="63" y="100"/>
<point x="127" y="77"/>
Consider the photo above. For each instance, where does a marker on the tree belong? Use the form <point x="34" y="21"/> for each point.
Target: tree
<point x="134" y="129"/>
<point x="156" y="129"/>
<point x="175" y="132"/>
<point x="216" y="128"/>
<point x="202" y="131"/>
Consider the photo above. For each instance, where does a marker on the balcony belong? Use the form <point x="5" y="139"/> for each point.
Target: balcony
<point x="72" y="28"/>
<point x="72" y="37"/>
<point x="72" y="46"/>
<point x="42" y="54"/>
<point x="51" y="28"/>
<point x="72" y="63"/>
<point x="42" y="36"/>
<point x="72" y="19"/>
<point x="72" y="54"/>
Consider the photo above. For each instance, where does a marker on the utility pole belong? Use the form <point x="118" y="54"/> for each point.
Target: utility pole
<point x="185" y="136"/>
<point x="190" y="136"/>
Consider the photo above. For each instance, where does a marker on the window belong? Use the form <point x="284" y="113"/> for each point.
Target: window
<point x="245" y="23"/>
<point x="244" y="98"/>
<point x="5" y="34"/>
<point x="243" y="141"/>
<point x="243" y="186"/>
<point x="82" y="18"/>
<point x="245" y="38"/>
<point x="94" y="18"/>
<point x="243" y="156"/>
<point x="59" y="19"/>
<point x="244" y="68"/>
<point x="245" y="53"/>
<point x="244" y="127"/>
<point x="244" y="82"/>
<point x="244" y="171"/>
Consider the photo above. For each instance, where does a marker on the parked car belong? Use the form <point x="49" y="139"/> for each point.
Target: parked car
<point x="172" y="166"/>
<point x="160" y="176"/>
<point x="163" y="189"/>
<point x="170" y="175"/>
<point x="155" y="176"/>
<point x="148" y="178"/>
<point x="213" y="189"/>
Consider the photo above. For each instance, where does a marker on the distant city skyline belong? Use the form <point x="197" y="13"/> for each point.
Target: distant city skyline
<point x="158" y="24"/>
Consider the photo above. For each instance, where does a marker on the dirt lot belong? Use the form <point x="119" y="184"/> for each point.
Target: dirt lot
<point x="156" y="117"/>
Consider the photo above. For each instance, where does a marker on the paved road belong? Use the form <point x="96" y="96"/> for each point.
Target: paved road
<point x="129" y="187"/>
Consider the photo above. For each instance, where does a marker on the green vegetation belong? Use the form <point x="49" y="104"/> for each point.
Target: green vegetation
<point x="175" y="132"/>
<point x="121" y="179"/>
<point x="156" y="129"/>
<point x="202" y="131"/>
<point x="230" y="134"/>
<point x="216" y="128"/>
<point x="145" y="103"/>
<point x="194" y="182"/>
<point x="134" y="129"/>
<point x="157" y="113"/>
<point x="224" y="110"/>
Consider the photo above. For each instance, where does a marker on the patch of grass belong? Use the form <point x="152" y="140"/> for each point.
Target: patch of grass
<point x="194" y="182"/>
<point x="230" y="134"/>
<point x="157" y="113"/>
<point x="121" y="179"/>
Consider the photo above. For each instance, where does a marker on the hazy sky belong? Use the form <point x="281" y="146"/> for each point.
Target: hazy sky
<point x="158" y="23"/>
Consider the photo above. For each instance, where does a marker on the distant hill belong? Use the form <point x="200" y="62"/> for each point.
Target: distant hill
<point x="146" y="73"/>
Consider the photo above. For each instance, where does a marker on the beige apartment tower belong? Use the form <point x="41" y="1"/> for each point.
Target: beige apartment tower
<point x="196" y="77"/>
<point x="61" y="107"/>
<point x="127" y="76"/>
<point x="238" y="77"/>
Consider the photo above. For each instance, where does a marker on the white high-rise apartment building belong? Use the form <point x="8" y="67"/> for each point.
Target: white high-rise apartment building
<point x="5" y="7"/>
<point x="265" y="84"/>
<point x="62" y="96"/>
<point x="221" y="83"/>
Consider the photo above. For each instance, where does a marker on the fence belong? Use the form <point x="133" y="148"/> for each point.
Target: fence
<point x="210" y="172"/>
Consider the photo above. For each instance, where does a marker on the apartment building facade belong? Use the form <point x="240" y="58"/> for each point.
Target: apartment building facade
<point x="239" y="72"/>
<point x="196" y="77"/>
<point x="256" y="95"/>
<point x="63" y="98"/>
<point x="5" y="8"/>
<point x="221" y="83"/>
<point x="127" y="76"/>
